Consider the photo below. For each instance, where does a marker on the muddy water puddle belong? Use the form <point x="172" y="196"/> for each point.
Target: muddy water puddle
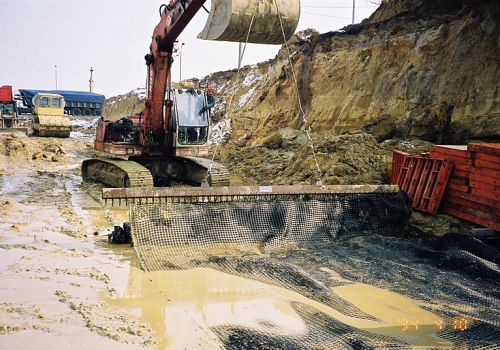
<point x="183" y="307"/>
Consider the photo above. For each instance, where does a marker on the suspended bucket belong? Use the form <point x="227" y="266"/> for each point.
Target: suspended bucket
<point x="230" y="20"/>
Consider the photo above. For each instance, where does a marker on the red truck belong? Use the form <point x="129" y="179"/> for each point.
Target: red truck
<point x="8" y="110"/>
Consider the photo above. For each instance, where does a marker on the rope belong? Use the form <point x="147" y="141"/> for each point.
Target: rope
<point x="234" y="90"/>
<point x="303" y="115"/>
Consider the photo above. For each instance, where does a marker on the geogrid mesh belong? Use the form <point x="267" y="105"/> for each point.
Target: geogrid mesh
<point x="283" y="242"/>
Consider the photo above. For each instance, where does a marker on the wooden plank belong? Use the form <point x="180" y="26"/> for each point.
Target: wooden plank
<point x="488" y="148"/>
<point x="491" y="188"/>
<point x="466" y="216"/>
<point x="488" y="158"/>
<point x="473" y="198"/>
<point x="485" y="193"/>
<point x="486" y="164"/>
<point x="454" y="151"/>
<point x="485" y="179"/>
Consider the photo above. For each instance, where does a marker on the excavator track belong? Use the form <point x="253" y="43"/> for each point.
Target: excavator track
<point x="116" y="173"/>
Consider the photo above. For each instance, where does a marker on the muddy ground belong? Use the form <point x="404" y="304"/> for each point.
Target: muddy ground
<point x="63" y="286"/>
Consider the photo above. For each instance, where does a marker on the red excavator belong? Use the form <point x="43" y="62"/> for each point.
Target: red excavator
<point x="167" y="141"/>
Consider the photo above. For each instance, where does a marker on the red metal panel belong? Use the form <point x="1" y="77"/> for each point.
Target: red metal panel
<point x="485" y="179"/>
<point x="486" y="172"/>
<point x="458" y="201"/>
<point x="485" y="193"/>
<point x="473" y="198"/>
<point x="494" y="224"/>
<point x="424" y="180"/>
<point x="458" y="187"/>
<point x="488" y="148"/>
<point x="397" y="163"/>
<point x="486" y="164"/>
<point x="479" y="215"/>
<point x="455" y="159"/>
<point x="416" y="178"/>
<point x="453" y="151"/>
<point x="460" y="173"/>
<point x="426" y="172"/>
<point x="439" y="187"/>
<point x="488" y="158"/>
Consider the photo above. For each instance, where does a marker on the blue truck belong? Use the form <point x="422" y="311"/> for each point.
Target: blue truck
<point x="77" y="103"/>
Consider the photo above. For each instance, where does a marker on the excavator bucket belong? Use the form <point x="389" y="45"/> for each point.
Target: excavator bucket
<point x="259" y="20"/>
<point x="239" y="219"/>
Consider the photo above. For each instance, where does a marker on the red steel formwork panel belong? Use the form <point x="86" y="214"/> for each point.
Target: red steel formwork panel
<point x="425" y="180"/>
<point x="397" y="163"/>
<point x="473" y="193"/>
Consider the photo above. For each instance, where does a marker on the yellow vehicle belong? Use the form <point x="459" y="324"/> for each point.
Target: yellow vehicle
<point x="49" y="119"/>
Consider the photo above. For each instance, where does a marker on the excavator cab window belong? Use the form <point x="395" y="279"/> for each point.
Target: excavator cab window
<point x="191" y="120"/>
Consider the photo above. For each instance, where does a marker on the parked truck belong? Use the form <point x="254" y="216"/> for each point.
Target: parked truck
<point x="77" y="103"/>
<point x="8" y="110"/>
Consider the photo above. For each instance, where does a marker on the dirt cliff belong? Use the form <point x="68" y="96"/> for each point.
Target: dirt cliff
<point x="431" y="67"/>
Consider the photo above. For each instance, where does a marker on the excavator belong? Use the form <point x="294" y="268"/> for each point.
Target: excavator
<point x="169" y="138"/>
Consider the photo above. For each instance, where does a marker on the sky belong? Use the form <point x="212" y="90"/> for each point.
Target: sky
<point x="112" y="36"/>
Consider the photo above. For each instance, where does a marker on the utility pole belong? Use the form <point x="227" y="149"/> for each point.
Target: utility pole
<point x="91" y="80"/>
<point x="353" y="10"/>
<point x="55" y="70"/>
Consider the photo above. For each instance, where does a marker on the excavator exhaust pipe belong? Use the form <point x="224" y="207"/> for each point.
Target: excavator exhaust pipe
<point x="230" y="20"/>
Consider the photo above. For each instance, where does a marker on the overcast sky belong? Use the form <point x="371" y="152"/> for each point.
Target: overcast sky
<point x="113" y="36"/>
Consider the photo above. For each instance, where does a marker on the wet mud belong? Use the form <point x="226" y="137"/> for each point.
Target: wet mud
<point x="63" y="286"/>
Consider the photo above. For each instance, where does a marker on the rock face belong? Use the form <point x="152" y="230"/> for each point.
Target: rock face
<point x="417" y="71"/>
<point x="432" y="67"/>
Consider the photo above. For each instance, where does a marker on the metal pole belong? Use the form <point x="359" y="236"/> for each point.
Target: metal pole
<point x="353" y="10"/>
<point x="55" y="68"/>
<point x="240" y="47"/>
<point x="180" y="63"/>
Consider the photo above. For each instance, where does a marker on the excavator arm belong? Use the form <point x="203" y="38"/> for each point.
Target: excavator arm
<point x="174" y="18"/>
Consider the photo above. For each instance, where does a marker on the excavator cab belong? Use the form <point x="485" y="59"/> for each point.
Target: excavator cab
<point x="191" y="122"/>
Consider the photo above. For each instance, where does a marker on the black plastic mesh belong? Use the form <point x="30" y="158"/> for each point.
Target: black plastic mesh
<point x="284" y="242"/>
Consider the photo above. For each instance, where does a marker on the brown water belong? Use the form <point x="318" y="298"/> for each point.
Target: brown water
<point x="183" y="306"/>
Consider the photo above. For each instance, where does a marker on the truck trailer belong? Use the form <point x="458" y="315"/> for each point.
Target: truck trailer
<point x="77" y="102"/>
